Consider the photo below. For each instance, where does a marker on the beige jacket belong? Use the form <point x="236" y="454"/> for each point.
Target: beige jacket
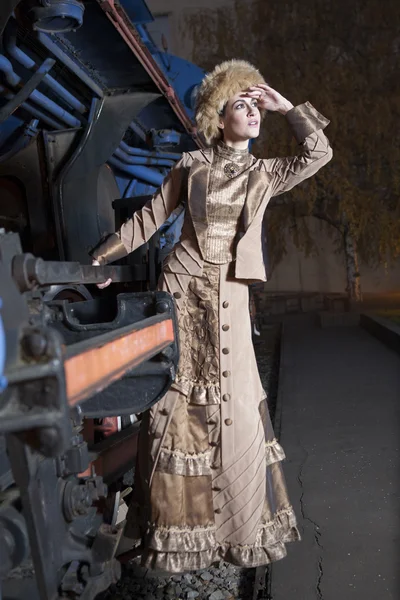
<point x="188" y="182"/>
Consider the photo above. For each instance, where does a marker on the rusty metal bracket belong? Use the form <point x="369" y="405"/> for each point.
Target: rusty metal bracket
<point x="30" y="272"/>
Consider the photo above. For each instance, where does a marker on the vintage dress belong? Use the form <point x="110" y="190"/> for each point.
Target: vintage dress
<point x="209" y="482"/>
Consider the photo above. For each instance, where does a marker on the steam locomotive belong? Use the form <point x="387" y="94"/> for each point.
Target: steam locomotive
<point x="92" y="116"/>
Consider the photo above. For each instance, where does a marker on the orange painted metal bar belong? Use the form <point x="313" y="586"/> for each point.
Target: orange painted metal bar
<point x="92" y="370"/>
<point x="128" y="32"/>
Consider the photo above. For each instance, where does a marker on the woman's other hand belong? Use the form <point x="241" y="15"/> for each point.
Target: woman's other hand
<point x="268" y="98"/>
<point x="101" y="286"/>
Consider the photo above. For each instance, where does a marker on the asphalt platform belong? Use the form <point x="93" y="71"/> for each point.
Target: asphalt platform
<point x="338" y="419"/>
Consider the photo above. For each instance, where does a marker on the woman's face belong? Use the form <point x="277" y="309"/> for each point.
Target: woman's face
<point x="241" y="119"/>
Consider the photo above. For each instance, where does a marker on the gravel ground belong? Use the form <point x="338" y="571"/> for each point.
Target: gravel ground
<point x="222" y="582"/>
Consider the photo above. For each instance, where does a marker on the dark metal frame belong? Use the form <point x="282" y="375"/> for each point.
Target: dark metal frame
<point x="60" y="480"/>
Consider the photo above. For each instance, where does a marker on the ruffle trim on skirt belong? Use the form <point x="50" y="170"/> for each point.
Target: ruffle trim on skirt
<point x="178" y="549"/>
<point x="174" y="562"/>
<point x="176" y="462"/>
<point x="198" y="393"/>
<point x="282" y="528"/>
<point x="181" y="539"/>
<point x="273" y="452"/>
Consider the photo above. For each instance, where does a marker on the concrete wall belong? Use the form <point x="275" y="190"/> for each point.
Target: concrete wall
<point x="325" y="271"/>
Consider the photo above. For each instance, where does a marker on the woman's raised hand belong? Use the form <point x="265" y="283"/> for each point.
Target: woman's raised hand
<point x="268" y="98"/>
<point x="101" y="286"/>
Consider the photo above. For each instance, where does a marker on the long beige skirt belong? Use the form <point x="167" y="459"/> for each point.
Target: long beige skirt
<point x="209" y="482"/>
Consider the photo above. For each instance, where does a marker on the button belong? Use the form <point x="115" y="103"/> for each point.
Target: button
<point x="218" y="511"/>
<point x="225" y="350"/>
<point x="225" y="327"/>
<point x="213" y="444"/>
<point x="216" y="488"/>
<point x="211" y="422"/>
<point x="226" y="397"/>
<point x="214" y="466"/>
<point x="164" y="412"/>
<point x="228" y="422"/>
<point x="177" y="295"/>
<point x="158" y="435"/>
<point x="226" y="373"/>
<point x="225" y="304"/>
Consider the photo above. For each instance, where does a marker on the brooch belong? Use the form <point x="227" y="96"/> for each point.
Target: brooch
<point x="231" y="169"/>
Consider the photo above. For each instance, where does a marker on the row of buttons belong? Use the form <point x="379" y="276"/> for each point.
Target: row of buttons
<point x="225" y="397"/>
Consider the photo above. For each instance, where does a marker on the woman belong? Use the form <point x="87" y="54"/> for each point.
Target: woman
<point x="209" y="480"/>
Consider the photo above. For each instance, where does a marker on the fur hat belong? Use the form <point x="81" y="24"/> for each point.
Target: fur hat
<point x="226" y="80"/>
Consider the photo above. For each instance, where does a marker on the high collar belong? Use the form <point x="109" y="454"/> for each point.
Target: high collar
<point x="230" y="153"/>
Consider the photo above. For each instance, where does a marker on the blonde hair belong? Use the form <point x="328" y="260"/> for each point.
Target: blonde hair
<point x="226" y="80"/>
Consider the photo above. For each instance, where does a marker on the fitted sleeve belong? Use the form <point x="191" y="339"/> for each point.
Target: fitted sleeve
<point x="145" y="222"/>
<point x="307" y="125"/>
